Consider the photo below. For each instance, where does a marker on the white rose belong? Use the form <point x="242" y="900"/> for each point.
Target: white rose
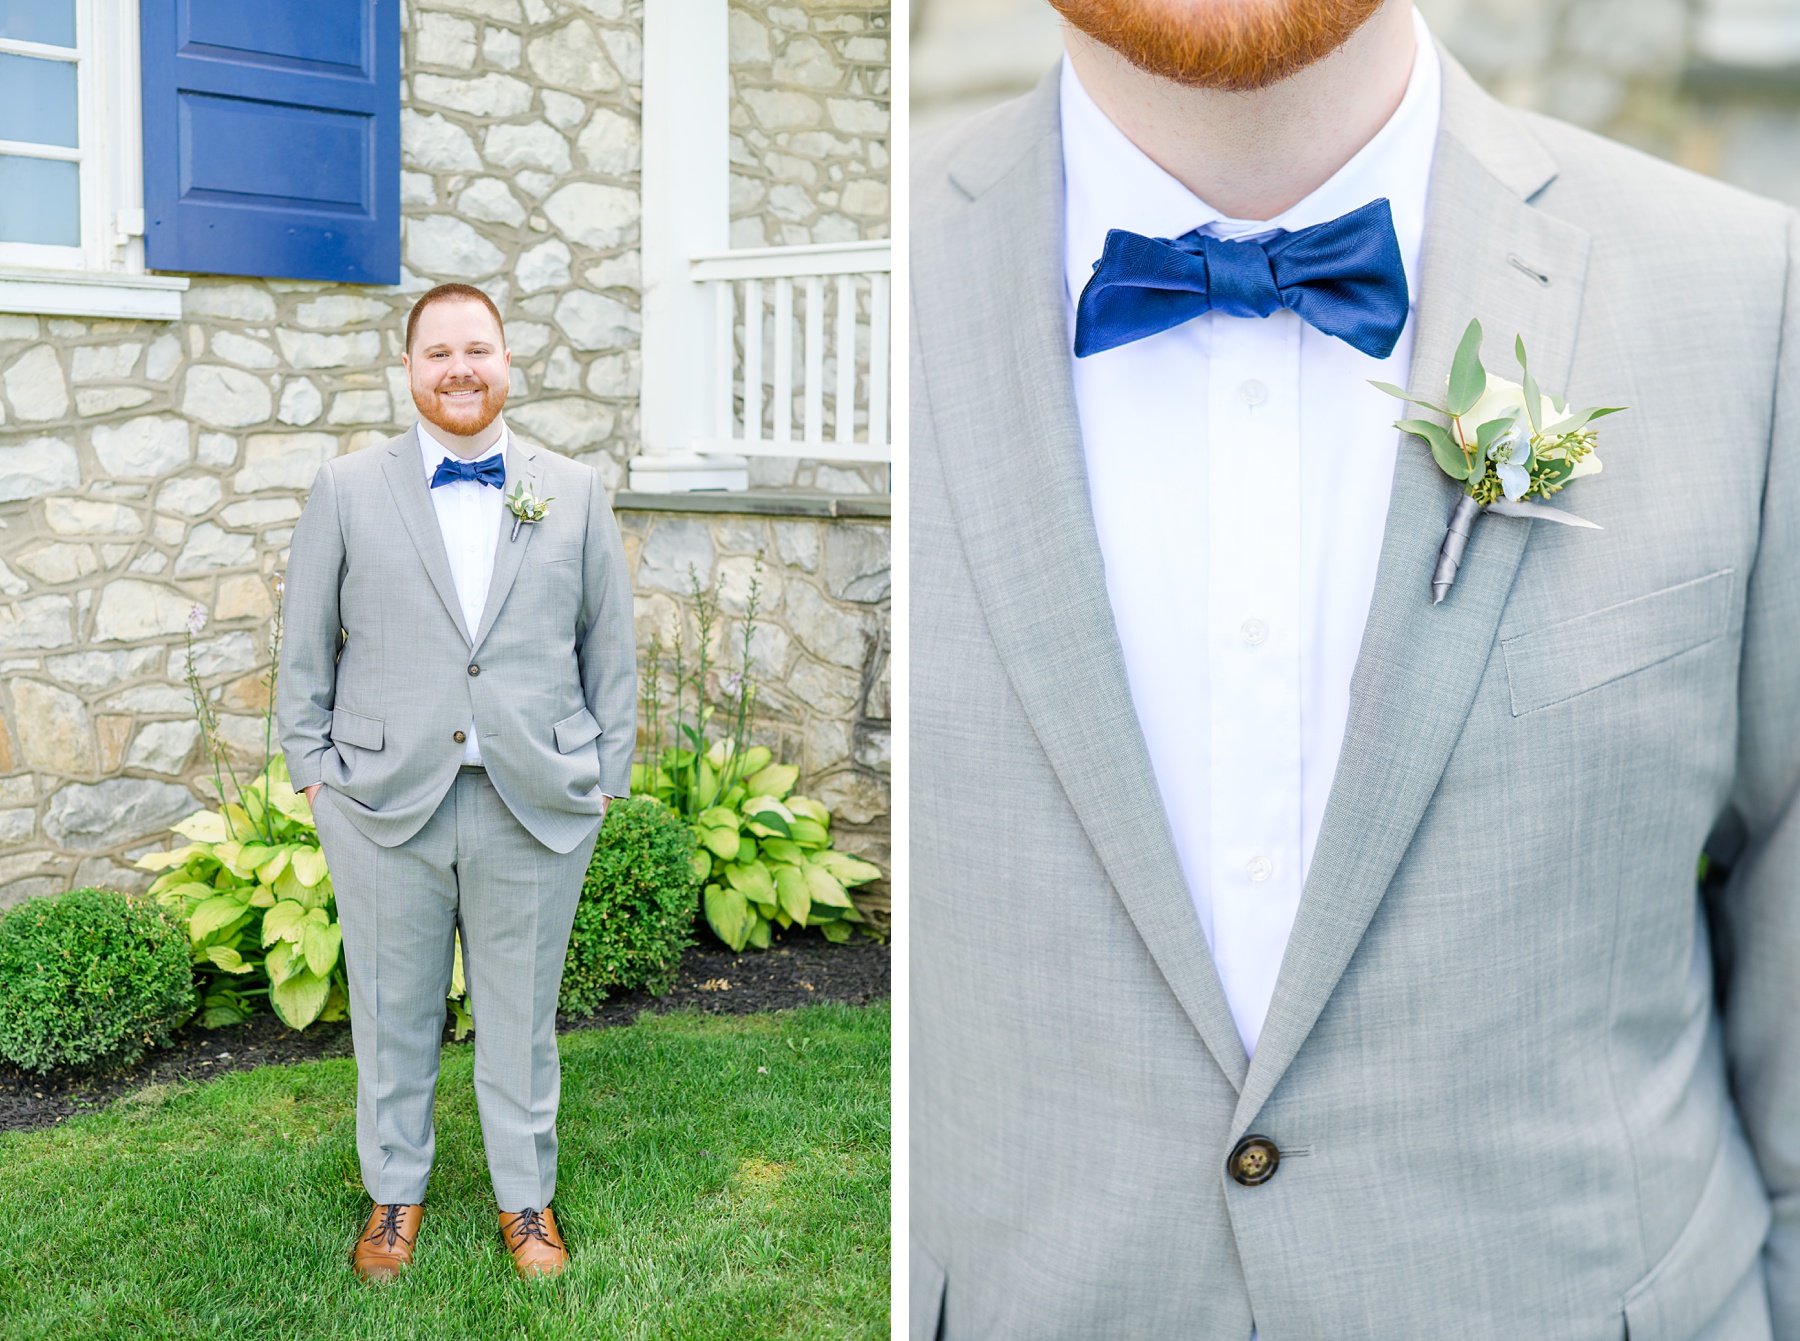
<point x="1505" y="399"/>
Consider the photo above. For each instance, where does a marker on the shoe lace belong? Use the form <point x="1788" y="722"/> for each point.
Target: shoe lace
<point x="387" y="1233"/>
<point x="530" y="1224"/>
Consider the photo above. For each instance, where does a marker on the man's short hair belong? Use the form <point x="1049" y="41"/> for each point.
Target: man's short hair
<point x="445" y="293"/>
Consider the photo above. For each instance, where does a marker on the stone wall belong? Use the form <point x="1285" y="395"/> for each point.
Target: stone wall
<point x="819" y="650"/>
<point x="809" y="121"/>
<point x="149" y="467"/>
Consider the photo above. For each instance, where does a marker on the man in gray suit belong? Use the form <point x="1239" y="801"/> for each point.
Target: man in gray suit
<point x="1293" y="956"/>
<point x="457" y="699"/>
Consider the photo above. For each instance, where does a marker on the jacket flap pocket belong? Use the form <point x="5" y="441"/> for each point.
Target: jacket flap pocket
<point x="925" y="1294"/>
<point x="574" y="732"/>
<point x="1709" y="1257"/>
<point x="563" y="551"/>
<point x="1555" y="663"/>
<point x="352" y="728"/>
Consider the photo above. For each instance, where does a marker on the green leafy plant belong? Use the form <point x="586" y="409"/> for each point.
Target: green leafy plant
<point x="251" y="886"/>
<point x="764" y="856"/>
<point x="252" y="889"/>
<point x="636" y="913"/>
<point x="89" y="978"/>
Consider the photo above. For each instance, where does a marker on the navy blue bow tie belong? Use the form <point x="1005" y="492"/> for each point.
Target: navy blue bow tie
<point x="488" y="470"/>
<point x="1344" y="277"/>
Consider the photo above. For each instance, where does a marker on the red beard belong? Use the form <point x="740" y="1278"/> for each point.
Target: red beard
<point x="464" y="420"/>
<point x="1236" y="46"/>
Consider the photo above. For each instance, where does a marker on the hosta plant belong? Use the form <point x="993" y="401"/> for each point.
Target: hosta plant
<point x="251" y="887"/>
<point x="764" y="855"/>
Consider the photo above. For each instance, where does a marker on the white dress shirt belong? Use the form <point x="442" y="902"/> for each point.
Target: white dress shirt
<point x="1239" y="470"/>
<point x="469" y="515"/>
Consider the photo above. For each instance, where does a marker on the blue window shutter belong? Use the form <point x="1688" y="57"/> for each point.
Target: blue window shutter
<point x="272" y="138"/>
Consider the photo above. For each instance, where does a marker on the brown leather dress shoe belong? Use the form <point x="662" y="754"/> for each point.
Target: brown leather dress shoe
<point x="531" y="1237"/>
<point x="386" y="1242"/>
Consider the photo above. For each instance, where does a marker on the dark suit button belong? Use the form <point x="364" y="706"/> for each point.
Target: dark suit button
<point x="459" y="738"/>
<point x="474" y="670"/>
<point x="1254" y="1160"/>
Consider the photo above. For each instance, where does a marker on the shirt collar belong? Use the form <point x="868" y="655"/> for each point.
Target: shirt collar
<point x="431" y="451"/>
<point x="1108" y="182"/>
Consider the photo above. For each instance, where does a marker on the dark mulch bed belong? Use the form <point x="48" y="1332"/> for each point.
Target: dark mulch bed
<point x="801" y="968"/>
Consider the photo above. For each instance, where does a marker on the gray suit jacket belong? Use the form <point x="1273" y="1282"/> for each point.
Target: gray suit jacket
<point x="1508" y="1104"/>
<point x="555" y="694"/>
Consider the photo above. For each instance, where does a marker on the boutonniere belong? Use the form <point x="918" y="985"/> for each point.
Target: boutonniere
<point x="1507" y="444"/>
<point x="525" y="506"/>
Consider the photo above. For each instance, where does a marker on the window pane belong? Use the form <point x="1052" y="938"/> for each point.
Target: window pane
<point x="40" y="201"/>
<point x="51" y="22"/>
<point x="37" y="101"/>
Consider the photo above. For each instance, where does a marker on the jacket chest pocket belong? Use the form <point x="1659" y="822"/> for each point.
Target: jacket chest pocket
<point x="1555" y="663"/>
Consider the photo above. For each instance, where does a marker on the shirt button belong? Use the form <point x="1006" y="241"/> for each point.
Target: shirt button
<point x="474" y="670"/>
<point x="1253" y="1161"/>
<point x="1259" y="869"/>
<point x="458" y="737"/>
<point x="1253" y="631"/>
<point x="1253" y="392"/>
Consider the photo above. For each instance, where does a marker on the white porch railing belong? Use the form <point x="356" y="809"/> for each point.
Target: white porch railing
<point x="799" y="364"/>
<point x="761" y="299"/>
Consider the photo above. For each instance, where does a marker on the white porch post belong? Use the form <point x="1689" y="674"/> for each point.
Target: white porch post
<point x="686" y="184"/>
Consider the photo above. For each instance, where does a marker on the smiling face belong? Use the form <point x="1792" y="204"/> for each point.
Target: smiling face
<point x="458" y="366"/>
<point x="1233" y="45"/>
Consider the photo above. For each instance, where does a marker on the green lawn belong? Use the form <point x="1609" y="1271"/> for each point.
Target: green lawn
<point x="701" y="1196"/>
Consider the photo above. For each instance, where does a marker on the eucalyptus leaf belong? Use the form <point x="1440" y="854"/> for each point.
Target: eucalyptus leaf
<point x="1400" y="394"/>
<point x="1534" y="401"/>
<point x="1450" y="458"/>
<point x="1468" y="379"/>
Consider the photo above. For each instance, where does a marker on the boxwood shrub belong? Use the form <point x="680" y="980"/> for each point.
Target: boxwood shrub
<point x="637" y="906"/>
<point x="90" y="978"/>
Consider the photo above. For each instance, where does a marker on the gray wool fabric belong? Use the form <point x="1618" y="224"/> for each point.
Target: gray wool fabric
<point x="379" y="679"/>
<point x="472" y="866"/>
<point x="555" y="701"/>
<point x="1493" y="1063"/>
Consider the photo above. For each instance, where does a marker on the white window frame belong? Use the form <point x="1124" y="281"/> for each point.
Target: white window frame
<point x="104" y="276"/>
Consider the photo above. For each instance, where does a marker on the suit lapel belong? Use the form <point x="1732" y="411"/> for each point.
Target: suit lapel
<point x="405" y="472"/>
<point x="1419" y="665"/>
<point x="521" y="463"/>
<point x="1011" y="451"/>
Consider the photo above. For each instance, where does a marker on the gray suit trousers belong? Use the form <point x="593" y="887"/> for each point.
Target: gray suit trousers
<point x="475" y="866"/>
